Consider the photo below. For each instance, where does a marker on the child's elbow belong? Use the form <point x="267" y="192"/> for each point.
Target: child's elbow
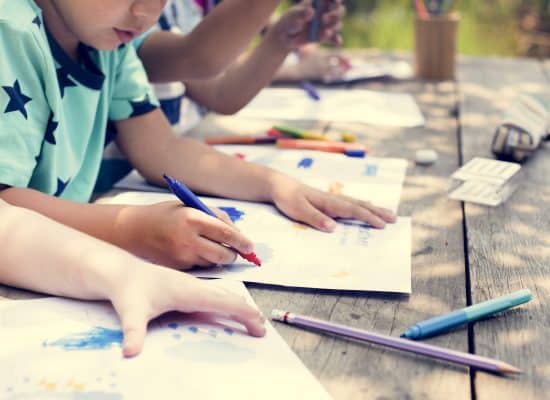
<point x="228" y="107"/>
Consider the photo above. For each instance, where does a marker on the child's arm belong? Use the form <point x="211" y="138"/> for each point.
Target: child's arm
<point x="210" y="47"/>
<point x="68" y="263"/>
<point x="208" y="171"/>
<point x="167" y="233"/>
<point x="231" y="91"/>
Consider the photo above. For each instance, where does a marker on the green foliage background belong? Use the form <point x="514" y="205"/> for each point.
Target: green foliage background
<point x="486" y="26"/>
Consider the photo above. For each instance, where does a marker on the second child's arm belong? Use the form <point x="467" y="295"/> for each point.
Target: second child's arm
<point x="214" y="44"/>
<point x="229" y="92"/>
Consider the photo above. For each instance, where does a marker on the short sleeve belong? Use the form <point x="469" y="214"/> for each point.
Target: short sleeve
<point x="24" y="108"/>
<point x="132" y="94"/>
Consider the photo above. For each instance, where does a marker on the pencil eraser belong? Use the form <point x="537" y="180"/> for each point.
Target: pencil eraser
<point x="278" y="315"/>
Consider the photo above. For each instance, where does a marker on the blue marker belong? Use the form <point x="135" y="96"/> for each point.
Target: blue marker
<point x="310" y="90"/>
<point x="443" y="323"/>
<point x="314" y="24"/>
<point x="187" y="197"/>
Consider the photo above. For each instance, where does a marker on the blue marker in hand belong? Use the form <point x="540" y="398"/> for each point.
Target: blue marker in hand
<point x="187" y="197"/>
<point x="315" y="22"/>
<point x="443" y="323"/>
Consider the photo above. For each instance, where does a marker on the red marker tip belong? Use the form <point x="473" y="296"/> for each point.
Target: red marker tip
<point x="252" y="257"/>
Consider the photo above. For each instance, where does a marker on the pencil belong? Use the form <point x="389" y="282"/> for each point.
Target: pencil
<point x="441" y="353"/>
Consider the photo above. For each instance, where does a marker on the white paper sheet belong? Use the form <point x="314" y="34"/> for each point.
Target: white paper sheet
<point x="361" y="70"/>
<point x="354" y="257"/>
<point x="337" y="105"/>
<point x="70" y="350"/>
<point x="378" y="180"/>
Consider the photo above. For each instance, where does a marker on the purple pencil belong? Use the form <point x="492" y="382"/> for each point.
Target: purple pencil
<point x="458" y="357"/>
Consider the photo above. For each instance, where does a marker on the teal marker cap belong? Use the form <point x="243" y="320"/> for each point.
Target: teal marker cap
<point x="446" y="322"/>
<point x="493" y="306"/>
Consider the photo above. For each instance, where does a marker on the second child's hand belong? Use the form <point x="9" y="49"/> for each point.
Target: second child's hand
<point x="320" y="209"/>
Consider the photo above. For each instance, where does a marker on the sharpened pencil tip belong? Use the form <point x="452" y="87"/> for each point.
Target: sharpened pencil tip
<point x="509" y="369"/>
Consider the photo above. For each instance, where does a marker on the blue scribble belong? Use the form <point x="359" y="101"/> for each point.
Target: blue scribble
<point x="97" y="339"/>
<point x="229" y="331"/>
<point x="305" y="163"/>
<point x="353" y="222"/>
<point x="193" y="329"/>
<point x="371" y="170"/>
<point x="233" y="213"/>
<point x="173" y="325"/>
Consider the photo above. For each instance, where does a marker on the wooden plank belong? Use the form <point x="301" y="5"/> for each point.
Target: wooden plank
<point x="352" y="370"/>
<point x="508" y="246"/>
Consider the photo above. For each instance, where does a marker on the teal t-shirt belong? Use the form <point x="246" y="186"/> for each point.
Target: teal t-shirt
<point x="54" y="111"/>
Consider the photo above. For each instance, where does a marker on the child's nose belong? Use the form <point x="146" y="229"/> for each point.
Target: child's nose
<point x="148" y="8"/>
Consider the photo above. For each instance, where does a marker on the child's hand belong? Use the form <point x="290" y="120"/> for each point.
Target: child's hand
<point x="292" y="29"/>
<point x="316" y="64"/>
<point x="147" y="291"/>
<point x="181" y="237"/>
<point x="318" y="209"/>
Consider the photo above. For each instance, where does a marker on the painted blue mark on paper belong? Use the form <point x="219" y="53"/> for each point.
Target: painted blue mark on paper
<point x="234" y="213"/>
<point x="371" y="170"/>
<point x="353" y="222"/>
<point x="193" y="329"/>
<point x="96" y="339"/>
<point x="305" y="163"/>
<point x="173" y="325"/>
<point x="229" y="331"/>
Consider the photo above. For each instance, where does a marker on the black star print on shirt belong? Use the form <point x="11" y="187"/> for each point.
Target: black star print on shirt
<point x="64" y="80"/>
<point x="17" y="99"/>
<point x="37" y="21"/>
<point x="50" y="129"/>
<point x="141" y="107"/>
<point x="61" y="187"/>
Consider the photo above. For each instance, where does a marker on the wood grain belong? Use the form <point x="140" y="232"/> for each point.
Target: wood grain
<point x="508" y="246"/>
<point x="352" y="370"/>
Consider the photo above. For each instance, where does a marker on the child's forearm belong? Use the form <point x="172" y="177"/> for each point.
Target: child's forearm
<point x="102" y="221"/>
<point x="42" y="255"/>
<point x="198" y="165"/>
<point x="228" y="93"/>
<point x="213" y="45"/>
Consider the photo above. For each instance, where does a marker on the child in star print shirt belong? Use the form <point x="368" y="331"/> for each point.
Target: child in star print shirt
<point x="139" y="291"/>
<point x="168" y="54"/>
<point x="65" y="72"/>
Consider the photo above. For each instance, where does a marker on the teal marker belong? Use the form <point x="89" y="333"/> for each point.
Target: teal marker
<point x="443" y="323"/>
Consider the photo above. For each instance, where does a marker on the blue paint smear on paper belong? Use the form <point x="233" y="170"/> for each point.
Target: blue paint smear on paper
<point x="371" y="170"/>
<point x="96" y="339"/>
<point x="305" y="163"/>
<point x="229" y="331"/>
<point x="234" y="213"/>
<point x="173" y="325"/>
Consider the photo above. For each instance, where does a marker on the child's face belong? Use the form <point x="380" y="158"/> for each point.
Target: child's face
<point x="106" y="24"/>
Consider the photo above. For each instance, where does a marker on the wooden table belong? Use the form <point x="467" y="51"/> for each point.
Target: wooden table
<point x="462" y="253"/>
